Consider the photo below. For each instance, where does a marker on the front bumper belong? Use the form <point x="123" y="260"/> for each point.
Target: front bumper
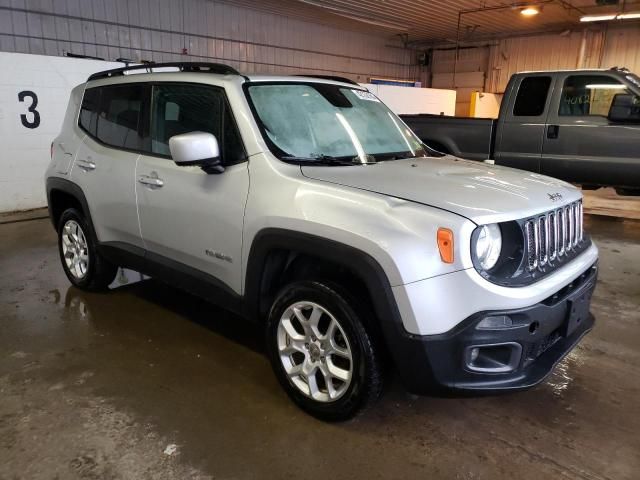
<point x="540" y="336"/>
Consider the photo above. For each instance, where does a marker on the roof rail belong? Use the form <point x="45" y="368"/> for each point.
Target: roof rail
<point x="333" y="78"/>
<point x="218" y="68"/>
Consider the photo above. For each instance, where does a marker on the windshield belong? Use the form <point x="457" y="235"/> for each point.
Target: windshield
<point x="316" y="121"/>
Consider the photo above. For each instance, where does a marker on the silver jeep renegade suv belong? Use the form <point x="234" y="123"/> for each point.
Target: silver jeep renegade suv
<point x="305" y="204"/>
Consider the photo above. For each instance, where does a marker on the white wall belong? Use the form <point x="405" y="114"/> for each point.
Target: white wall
<point x="25" y="151"/>
<point x="412" y="100"/>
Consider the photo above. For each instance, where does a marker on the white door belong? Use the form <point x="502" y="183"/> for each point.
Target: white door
<point x="187" y="215"/>
<point x="106" y="160"/>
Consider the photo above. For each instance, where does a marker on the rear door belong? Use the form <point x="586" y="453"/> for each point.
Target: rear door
<point x="113" y="119"/>
<point x="581" y="145"/>
<point x="521" y="126"/>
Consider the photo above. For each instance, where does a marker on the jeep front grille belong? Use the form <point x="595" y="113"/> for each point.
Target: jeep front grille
<point x="553" y="235"/>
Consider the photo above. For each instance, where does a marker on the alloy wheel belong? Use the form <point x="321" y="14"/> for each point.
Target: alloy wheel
<point x="75" y="249"/>
<point x="314" y="351"/>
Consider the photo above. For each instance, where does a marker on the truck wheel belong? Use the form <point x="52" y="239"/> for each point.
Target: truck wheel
<point x="82" y="264"/>
<point x="320" y="351"/>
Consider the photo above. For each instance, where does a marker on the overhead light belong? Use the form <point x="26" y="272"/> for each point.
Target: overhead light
<point x="613" y="16"/>
<point x="530" y="11"/>
<point x="629" y="16"/>
<point x="597" y="18"/>
<point x="605" y="86"/>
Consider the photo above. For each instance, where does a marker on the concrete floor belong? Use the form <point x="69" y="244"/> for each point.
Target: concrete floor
<point x="99" y="386"/>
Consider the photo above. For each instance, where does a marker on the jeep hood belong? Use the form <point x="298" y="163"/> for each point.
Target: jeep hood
<point x="479" y="191"/>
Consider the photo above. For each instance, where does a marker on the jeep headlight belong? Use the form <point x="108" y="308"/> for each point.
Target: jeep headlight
<point x="488" y="246"/>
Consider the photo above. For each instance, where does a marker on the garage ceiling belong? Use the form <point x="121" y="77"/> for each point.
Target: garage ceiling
<point x="429" y="22"/>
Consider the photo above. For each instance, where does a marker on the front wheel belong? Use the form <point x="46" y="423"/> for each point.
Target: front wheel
<point x="321" y="352"/>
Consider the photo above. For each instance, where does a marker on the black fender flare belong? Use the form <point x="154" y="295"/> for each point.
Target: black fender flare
<point x="54" y="184"/>
<point x="360" y="263"/>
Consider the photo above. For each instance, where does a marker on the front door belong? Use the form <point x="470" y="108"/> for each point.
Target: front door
<point x="581" y="145"/>
<point x="190" y="219"/>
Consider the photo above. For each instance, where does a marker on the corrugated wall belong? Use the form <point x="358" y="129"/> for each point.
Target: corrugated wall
<point x="489" y="68"/>
<point x="622" y="49"/>
<point x="159" y="30"/>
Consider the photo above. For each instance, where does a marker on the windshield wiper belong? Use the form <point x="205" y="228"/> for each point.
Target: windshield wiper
<point x="385" y="157"/>
<point x="324" y="160"/>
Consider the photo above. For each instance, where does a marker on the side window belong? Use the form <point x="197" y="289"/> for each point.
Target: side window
<point x="178" y="109"/>
<point x="120" y="116"/>
<point x="89" y="110"/>
<point x="532" y="97"/>
<point x="589" y="95"/>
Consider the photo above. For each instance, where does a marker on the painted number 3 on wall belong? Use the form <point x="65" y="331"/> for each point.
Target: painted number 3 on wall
<point x="33" y="120"/>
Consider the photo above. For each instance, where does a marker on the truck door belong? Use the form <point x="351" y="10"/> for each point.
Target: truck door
<point x="521" y="125"/>
<point x="581" y="144"/>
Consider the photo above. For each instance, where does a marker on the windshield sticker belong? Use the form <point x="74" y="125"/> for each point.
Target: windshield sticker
<point x="362" y="95"/>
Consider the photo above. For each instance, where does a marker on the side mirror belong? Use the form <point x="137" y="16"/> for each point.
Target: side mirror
<point x="625" y="107"/>
<point x="196" y="148"/>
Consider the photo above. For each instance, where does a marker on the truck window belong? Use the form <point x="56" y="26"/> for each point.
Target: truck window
<point x="119" y="116"/>
<point x="532" y="97"/>
<point x="589" y="95"/>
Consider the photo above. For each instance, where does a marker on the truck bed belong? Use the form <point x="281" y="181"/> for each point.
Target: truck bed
<point x="470" y="138"/>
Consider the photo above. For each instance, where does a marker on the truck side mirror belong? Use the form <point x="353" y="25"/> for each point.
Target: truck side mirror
<point x="196" y="148"/>
<point x="625" y="107"/>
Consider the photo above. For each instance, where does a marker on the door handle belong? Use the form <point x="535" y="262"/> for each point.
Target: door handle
<point x="553" y="131"/>
<point x="86" y="165"/>
<point x="150" y="181"/>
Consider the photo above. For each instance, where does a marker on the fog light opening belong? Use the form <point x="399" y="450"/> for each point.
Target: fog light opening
<point x="496" y="358"/>
<point x="533" y="327"/>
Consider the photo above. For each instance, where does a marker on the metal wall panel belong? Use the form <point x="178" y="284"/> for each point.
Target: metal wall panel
<point x="502" y="58"/>
<point x="622" y="49"/>
<point x="205" y="30"/>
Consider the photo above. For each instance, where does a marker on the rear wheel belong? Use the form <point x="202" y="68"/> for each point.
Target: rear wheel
<point x="84" y="266"/>
<point x="321" y="352"/>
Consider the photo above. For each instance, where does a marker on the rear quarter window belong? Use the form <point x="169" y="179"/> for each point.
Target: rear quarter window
<point x="532" y="97"/>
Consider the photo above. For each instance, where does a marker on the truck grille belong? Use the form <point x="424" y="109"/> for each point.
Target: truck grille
<point x="553" y="235"/>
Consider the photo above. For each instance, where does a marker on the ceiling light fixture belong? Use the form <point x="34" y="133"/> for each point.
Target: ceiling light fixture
<point x="612" y="16"/>
<point x="628" y="16"/>
<point x="530" y="11"/>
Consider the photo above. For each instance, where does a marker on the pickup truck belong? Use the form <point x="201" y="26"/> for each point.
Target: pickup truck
<point x="582" y="126"/>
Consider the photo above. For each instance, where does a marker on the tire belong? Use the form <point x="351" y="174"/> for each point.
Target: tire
<point x="293" y="348"/>
<point x="76" y="240"/>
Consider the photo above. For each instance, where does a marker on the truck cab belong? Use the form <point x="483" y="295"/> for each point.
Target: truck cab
<point x="581" y="126"/>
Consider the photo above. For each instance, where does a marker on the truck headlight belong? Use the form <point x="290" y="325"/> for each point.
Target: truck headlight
<point x="488" y="246"/>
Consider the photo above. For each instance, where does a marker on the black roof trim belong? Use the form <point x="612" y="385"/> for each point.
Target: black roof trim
<point x="332" y="78"/>
<point x="218" y="68"/>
